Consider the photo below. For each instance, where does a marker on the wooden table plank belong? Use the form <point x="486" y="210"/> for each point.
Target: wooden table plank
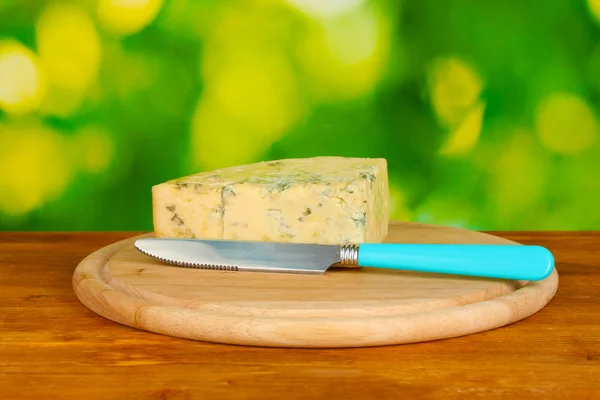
<point x="52" y="347"/>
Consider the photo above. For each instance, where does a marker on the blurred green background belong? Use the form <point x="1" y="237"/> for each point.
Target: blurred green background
<point x="487" y="111"/>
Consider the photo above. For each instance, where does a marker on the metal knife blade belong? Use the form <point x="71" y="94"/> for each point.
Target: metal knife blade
<point x="241" y="255"/>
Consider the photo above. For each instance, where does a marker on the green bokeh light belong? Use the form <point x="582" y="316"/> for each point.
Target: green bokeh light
<point x="486" y="111"/>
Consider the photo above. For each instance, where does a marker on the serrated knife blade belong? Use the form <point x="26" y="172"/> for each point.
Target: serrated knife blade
<point x="241" y="256"/>
<point x="502" y="261"/>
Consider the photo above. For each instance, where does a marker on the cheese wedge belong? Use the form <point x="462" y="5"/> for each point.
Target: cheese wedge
<point x="320" y="200"/>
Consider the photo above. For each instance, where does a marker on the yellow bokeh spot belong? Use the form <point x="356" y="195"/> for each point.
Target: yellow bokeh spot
<point x="464" y="138"/>
<point x="22" y="85"/>
<point x="259" y="92"/>
<point x="34" y="168"/>
<point x="69" y="46"/>
<point x="518" y="174"/>
<point x="594" y="6"/>
<point x="244" y="108"/>
<point x="454" y="88"/>
<point x="251" y="96"/>
<point x="343" y="58"/>
<point x="70" y="52"/>
<point x="325" y="9"/>
<point x="125" y="17"/>
<point x="220" y="140"/>
<point x="399" y="210"/>
<point x="93" y="149"/>
<point x="566" y="124"/>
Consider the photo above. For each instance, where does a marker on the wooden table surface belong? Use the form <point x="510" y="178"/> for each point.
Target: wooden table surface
<point x="52" y="347"/>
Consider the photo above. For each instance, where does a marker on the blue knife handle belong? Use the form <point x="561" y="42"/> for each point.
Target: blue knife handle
<point x="517" y="262"/>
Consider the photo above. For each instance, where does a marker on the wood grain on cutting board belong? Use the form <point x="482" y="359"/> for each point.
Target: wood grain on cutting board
<point x="350" y="307"/>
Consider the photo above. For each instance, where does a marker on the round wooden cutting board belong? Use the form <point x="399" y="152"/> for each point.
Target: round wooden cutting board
<point x="345" y="307"/>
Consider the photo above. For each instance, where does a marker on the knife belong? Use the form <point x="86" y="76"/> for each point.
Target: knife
<point x="519" y="262"/>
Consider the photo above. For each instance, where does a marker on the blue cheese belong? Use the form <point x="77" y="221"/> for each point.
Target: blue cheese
<point x="323" y="200"/>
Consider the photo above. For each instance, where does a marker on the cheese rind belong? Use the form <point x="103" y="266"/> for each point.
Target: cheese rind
<point x="321" y="200"/>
